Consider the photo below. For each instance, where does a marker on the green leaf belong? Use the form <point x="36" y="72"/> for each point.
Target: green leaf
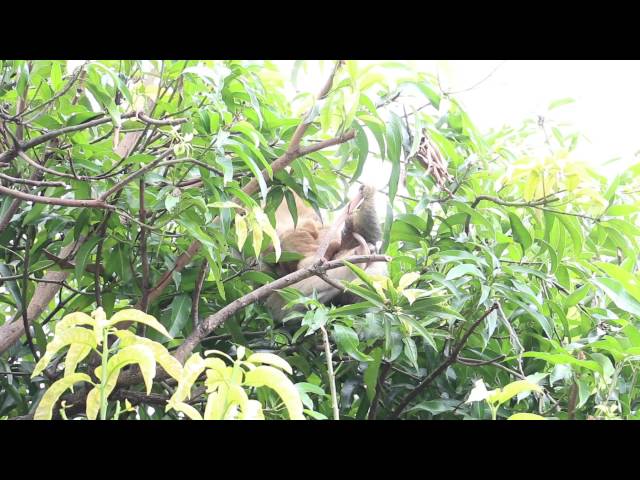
<point x="616" y="292"/>
<point x="520" y="234"/>
<point x="371" y="373"/>
<point x="291" y="205"/>
<point x="621" y="210"/>
<point x="56" y="76"/>
<point x="558" y="103"/>
<point x="411" y="351"/>
<point x="11" y="285"/>
<point x="576" y="296"/>
<point x="180" y="310"/>
<point x="563" y="359"/>
<point x="463" y="269"/>
<point x="83" y="255"/>
<point x="51" y="396"/>
<point x="421" y="330"/>
<point x="347" y="341"/>
<point x="628" y="280"/>
<point x="363" y="149"/>
<point x="394" y="149"/>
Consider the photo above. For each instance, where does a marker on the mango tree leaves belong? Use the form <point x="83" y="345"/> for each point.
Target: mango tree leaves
<point x="347" y="341"/>
<point x="277" y="381"/>
<point x="53" y="393"/>
<point x="616" y="292"/>
<point x="520" y="233"/>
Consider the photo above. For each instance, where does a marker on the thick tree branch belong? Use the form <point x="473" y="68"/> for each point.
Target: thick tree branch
<point x="213" y="321"/>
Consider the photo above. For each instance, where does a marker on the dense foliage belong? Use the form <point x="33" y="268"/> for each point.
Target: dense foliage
<point x="130" y="187"/>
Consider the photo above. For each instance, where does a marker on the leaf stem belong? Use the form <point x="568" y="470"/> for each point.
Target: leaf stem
<point x="103" y="377"/>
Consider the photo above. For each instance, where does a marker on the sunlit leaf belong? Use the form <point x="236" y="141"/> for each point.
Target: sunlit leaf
<point x="53" y="393"/>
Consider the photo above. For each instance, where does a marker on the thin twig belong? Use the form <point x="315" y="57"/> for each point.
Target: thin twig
<point x="195" y="301"/>
<point x="25" y="285"/>
<point x="451" y="358"/>
<point x="330" y="374"/>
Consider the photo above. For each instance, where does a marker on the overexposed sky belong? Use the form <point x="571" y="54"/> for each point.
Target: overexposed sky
<point x="606" y="93"/>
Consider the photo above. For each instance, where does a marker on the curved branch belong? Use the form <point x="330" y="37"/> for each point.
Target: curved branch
<point x="442" y="367"/>
<point x="213" y="321"/>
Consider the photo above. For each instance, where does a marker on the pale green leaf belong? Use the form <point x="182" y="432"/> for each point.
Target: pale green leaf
<point x="133" y="315"/>
<point x="139" y="354"/>
<point x="277" y="381"/>
<point x="525" y="416"/>
<point x="270" y="359"/>
<point x="51" y="396"/>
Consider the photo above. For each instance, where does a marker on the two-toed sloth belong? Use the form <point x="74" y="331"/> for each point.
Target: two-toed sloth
<point x="359" y="236"/>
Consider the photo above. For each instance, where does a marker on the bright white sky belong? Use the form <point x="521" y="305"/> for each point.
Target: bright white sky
<point x="605" y="112"/>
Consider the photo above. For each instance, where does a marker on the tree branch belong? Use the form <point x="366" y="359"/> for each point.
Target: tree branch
<point x="10" y="154"/>
<point x="213" y="321"/>
<point x="453" y="356"/>
<point x="35" y="183"/>
<point x="330" y="374"/>
<point x="64" y="202"/>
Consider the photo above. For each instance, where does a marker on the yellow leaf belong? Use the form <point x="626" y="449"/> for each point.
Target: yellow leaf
<point x="191" y="370"/>
<point x="69" y="336"/>
<point x="72" y="320"/>
<point x="257" y="238"/>
<point x="501" y="395"/>
<point x="216" y="403"/>
<point x="525" y="416"/>
<point x="140" y="354"/>
<point x="76" y="353"/>
<point x="187" y="409"/>
<point x="51" y="396"/>
<point x="252" y="411"/>
<point x="264" y="223"/>
<point x="270" y="359"/>
<point x="241" y="231"/>
<point x="133" y="315"/>
<point x="276" y="380"/>
<point x="407" y="279"/>
<point x="93" y="403"/>
<point x="411" y="294"/>
<point x="168" y="362"/>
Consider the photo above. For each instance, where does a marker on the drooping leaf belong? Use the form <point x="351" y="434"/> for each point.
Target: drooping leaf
<point x="53" y="393"/>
